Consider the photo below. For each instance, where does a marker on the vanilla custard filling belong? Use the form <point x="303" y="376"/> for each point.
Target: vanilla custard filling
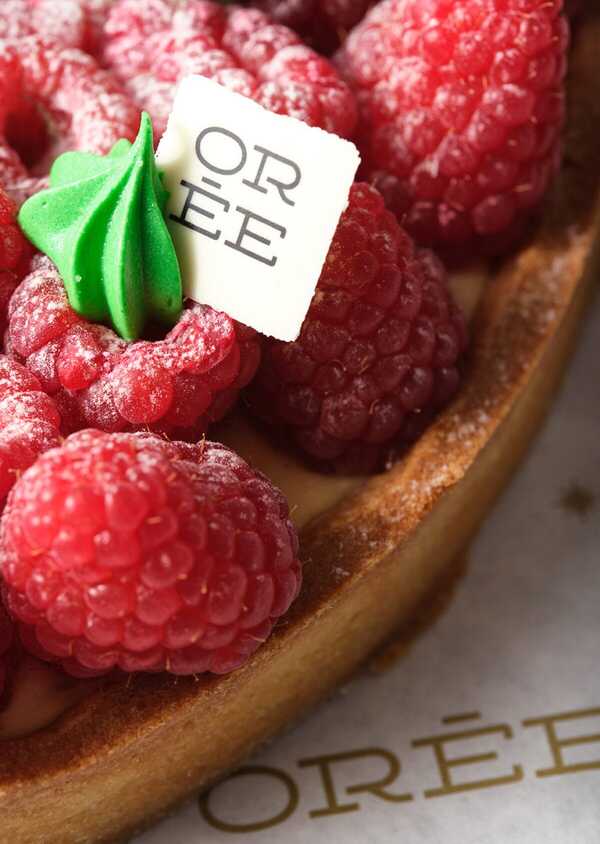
<point x="42" y="693"/>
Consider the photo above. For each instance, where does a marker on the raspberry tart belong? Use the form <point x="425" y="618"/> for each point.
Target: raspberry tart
<point x="211" y="558"/>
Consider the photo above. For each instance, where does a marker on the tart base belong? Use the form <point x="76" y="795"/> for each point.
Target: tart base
<point x="369" y="560"/>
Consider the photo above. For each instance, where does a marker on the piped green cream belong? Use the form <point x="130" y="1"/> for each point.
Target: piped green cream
<point x="102" y="223"/>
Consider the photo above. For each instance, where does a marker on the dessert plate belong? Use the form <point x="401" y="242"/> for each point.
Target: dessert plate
<point x="121" y="753"/>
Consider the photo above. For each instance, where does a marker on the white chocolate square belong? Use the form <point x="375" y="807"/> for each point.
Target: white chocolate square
<point x="255" y="198"/>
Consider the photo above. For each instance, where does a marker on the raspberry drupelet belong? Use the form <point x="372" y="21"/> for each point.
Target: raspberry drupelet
<point x="176" y="386"/>
<point x="380" y="348"/>
<point x="152" y="45"/>
<point x="54" y="98"/>
<point x="29" y="422"/>
<point x="461" y="110"/>
<point x="125" y="551"/>
<point x="15" y="255"/>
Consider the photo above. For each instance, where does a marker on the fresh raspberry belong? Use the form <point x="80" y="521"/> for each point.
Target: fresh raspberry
<point x="123" y="550"/>
<point x="61" y="98"/>
<point x="68" y="23"/>
<point x="29" y="422"/>
<point x="176" y="386"/>
<point x="324" y="24"/>
<point x="60" y="21"/>
<point x="15" y="255"/>
<point x="461" y="105"/>
<point x="379" y="349"/>
<point x="6" y="653"/>
<point x="152" y="45"/>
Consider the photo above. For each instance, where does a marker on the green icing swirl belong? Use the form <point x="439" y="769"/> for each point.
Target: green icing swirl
<point x="101" y="222"/>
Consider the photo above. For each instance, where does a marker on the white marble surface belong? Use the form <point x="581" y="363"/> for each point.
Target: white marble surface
<point x="520" y="641"/>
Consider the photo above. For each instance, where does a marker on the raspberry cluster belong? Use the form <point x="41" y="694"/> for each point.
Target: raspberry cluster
<point x="461" y="107"/>
<point x="29" y="422"/>
<point x="123" y="550"/>
<point x="152" y="45"/>
<point x="54" y="98"/>
<point x="379" y="351"/>
<point x="15" y="254"/>
<point x="177" y="386"/>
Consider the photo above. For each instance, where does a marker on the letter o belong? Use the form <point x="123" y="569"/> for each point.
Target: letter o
<point x="224" y="171"/>
<point x="252" y="770"/>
